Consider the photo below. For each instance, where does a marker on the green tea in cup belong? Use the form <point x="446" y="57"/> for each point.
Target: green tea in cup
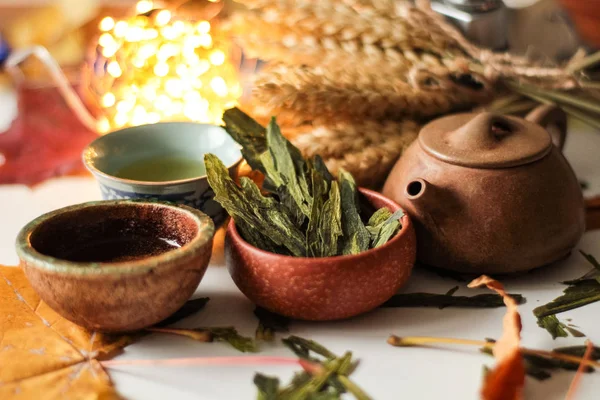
<point x="162" y="169"/>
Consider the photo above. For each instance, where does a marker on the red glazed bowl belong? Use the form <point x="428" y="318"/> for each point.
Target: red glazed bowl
<point x="328" y="288"/>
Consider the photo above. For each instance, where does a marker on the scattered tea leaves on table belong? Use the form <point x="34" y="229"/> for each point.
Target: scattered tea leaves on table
<point x="576" y="295"/>
<point x="306" y="212"/>
<point x="325" y="376"/>
<point x="593" y="273"/>
<point x="356" y="237"/>
<point x="226" y="334"/>
<point x="269" y="323"/>
<point x="553" y="326"/>
<point x="448" y="300"/>
<point x="189" y="308"/>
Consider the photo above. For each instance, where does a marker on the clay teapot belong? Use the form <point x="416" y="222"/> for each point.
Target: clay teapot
<point x="490" y="193"/>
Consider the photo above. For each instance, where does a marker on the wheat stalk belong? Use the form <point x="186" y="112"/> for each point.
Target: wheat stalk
<point x="367" y="150"/>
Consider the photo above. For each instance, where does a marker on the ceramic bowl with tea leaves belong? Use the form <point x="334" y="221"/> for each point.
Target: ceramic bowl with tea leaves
<point x="307" y="245"/>
<point x="119" y="265"/>
<point x="324" y="288"/>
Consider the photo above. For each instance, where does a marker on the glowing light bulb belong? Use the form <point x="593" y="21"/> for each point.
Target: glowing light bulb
<point x="124" y="106"/>
<point x="106" y="40"/>
<point x="182" y="70"/>
<point x="108" y="100"/>
<point x="106" y="24"/>
<point x="147" y="50"/>
<point x="134" y="34"/>
<point x="153" y="117"/>
<point x="149" y="92"/>
<point x="103" y="125"/>
<point x="120" y="119"/>
<point x="121" y="28"/>
<point x="139" y="115"/>
<point x="219" y="86"/>
<point x="143" y="6"/>
<point x="114" y="69"/>
<point x="169" y="33"/>
<point x="163" y="17"/>
<point x="110" y="51"/>
<point x="201" y="67"/>
<point x="205" y="40"/>
<point x="161" y="69"/>
<point x="174" y="87"/>
<point x="203" y="27"/>
<point x="162" y="102"/>
<point x="150" y="34"/>
<point x="179" y="27"/>
<point x="217" y="57"/>
<point x="138" y="62"/>
<point x="192" y="97"/>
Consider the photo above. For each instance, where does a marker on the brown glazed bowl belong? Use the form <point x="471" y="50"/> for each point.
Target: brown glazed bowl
<point x="322" y="289"/>
<point x="114" y="265"/>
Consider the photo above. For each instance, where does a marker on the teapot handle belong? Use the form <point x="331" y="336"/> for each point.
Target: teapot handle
<point x="554" y="119"/>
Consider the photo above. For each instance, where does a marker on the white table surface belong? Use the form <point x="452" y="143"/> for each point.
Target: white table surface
<point x="385" y="372"/>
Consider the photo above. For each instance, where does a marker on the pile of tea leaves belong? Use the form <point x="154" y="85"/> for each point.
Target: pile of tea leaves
<point x="305" y="212"/>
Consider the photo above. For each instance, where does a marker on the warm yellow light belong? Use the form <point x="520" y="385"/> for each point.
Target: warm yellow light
<point x="205" y="40"/>
<point x="193" y="41"/>
<point x="114" y="69"/>
<point x="124" y="106"/>
<point x="138" y="62"/>
<point x="108" y="100"/>
<point x="153" y="117"/>
<point x="163" y="17"/>
<point x="167" y="50"/>
<point x="203" y="26"/>
<point x="217" y="57"/>
<point x="179" y="27"/>
<point x="174" y="87"/>
<point x="139" y="115"/>
<point x="120" y="29"/>
<point x="134" y="34"/>
<point x="120" y="119"/>
<point x="169" y="33"/>
<point x="110" y="51"/>
<point x="106" y="40"/>
<point x="182" y="70"/>
<point x="162" y="102"/>
<point x="149" y="92"/>
<point x="106" y="24"/>
<point x="147" y="50"/>
<point x="150" y="34"/>
<point x="143" y="6"/>
<point x="103" y="125"/>
<point x="161" y="69"/>
<point x="219" y="86"/>
<point x="201" y="67"/>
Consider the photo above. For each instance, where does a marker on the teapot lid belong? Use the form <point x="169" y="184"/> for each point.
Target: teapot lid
<point x="485" y="140"/>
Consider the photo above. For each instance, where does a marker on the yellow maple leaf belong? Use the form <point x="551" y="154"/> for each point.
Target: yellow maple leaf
<point x="43" y="355"/>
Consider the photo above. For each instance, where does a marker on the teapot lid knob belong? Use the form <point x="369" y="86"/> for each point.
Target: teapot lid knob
<point x="485" y="140"/>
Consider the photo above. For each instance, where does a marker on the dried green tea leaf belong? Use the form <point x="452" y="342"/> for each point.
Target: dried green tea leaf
<point x="356" y="237"/>
<point x="268" y="387"/>
<point x="269" y="323"/>
<point x="388" y="229"/>
<point x="379" y="217"/>
<point x="290" y="167"/>
<point x="257" y="239"/>
<point x="487" y="300"/>
<point x="577" y="295"/>
<point x="189" y="308"/>
<point x="248" y="133"/>
<point x="330" y="222"/>
<point x="452" y="291"/>
<point x="231" y="336"/>
<point x="302" y="348"/>
<point x="574" y="332"/>
<point x="553" y="326"/>
<point x="590" y="274"/>
<point x="314" y="246"/>
<point x="248" y="206"/>
<point x="578" y="351"/>
<point x="319" y="165"/>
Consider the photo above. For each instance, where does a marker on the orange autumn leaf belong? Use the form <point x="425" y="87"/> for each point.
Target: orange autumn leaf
<point x="506" y="380"/>
<point x="45" y="356"/>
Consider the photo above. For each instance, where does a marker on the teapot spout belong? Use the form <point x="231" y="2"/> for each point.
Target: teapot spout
<point x="419" y="192"/>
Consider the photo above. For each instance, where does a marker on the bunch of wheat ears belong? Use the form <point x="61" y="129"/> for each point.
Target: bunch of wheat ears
<point x="353" y="80"/>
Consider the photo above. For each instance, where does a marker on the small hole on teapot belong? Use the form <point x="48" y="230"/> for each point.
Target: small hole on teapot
<point x="414" y="188"/>
<point x="500" y="128"/>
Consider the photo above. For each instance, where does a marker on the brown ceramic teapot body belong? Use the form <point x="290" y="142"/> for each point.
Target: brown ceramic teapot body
<point x="490" y="193"/>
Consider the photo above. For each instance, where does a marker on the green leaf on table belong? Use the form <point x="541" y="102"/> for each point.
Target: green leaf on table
<point x="590" y="274"/>
<point x="189" y="308"/>
<point x="356" y="237"/>
<point x="303" y="347"/>
<point x="246" y="205"/>
<point x="553" y="326"/>
<point x="487" y="300"/>
<point x="576" y="295"/>
<point x="231" y="336"/>
<point x="269" y="323"/>
<point x="268" y="387"/>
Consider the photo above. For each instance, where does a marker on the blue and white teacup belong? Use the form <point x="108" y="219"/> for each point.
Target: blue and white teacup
<point x="116" y="150"/>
